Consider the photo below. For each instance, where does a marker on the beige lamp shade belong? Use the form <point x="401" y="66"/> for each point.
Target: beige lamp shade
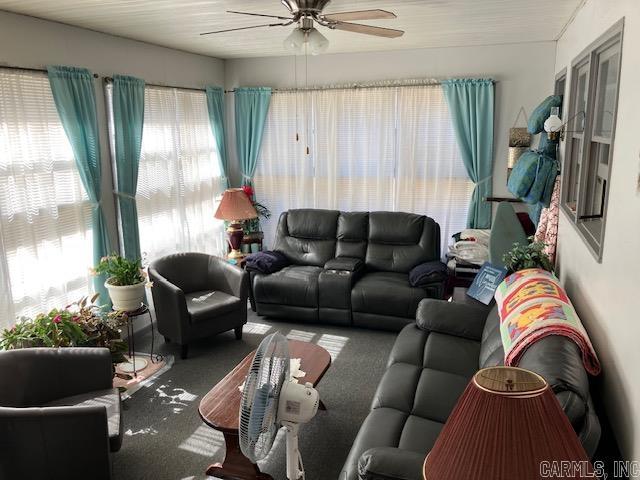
<point x="235" y="205"/>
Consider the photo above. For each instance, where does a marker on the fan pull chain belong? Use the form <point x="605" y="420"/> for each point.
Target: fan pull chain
<point x="295" y="82"/>
<point x="306" y="86"/>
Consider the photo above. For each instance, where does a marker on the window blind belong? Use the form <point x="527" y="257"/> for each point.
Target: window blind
<point x="45" y="216"/>
<point x="179" y="175"/>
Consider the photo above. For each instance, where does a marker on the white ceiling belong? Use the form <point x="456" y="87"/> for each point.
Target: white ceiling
<point x="428" y="23"/>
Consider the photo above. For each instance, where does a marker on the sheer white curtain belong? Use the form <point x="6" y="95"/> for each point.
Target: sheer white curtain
<point x="287" y="182"/>
<point x="179" y="176"/>
<point x="430" y="176"/>
<point x="45" y="216"/>
<point x="376" y="148"/>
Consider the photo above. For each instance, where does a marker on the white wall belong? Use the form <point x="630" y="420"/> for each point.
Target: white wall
<point x="524" y="73"/>
<point x="607" y="294"/>
<point x="30" y="42"/>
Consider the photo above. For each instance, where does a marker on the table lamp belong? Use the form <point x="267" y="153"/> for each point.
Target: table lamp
<point x="507" y="425"/>
<point x="235" y="207"/>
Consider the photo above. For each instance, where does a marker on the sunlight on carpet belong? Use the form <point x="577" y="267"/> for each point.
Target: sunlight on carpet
<point x="300" y="335"/>
<point x="332" y="344"/>
<point x="204" y="441"/>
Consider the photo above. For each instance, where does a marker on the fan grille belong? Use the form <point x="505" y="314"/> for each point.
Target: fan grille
<point x="259" y="404"/>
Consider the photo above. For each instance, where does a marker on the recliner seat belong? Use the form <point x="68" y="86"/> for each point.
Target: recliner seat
<point x="349" y="268"/>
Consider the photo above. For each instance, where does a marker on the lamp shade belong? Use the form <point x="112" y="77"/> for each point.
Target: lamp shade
<point x="507" y="425"/>
<point x="235" y="205"/>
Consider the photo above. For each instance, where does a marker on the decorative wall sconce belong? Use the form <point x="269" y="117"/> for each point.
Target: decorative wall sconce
<point x="555" y="128"/>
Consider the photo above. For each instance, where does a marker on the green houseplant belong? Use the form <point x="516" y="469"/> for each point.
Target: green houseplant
<point x="125" y="283"/>
<point x="532" y="255"/>
<point x="80" y="324"/>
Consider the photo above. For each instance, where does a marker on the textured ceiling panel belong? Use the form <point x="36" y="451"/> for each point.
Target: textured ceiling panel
<point x="428" y="23"/>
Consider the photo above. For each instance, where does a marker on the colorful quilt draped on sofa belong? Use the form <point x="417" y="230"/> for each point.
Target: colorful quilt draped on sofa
<point x="533" y="305"/>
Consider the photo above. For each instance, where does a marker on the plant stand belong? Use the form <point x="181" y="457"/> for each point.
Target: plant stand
<point x="133" y="365"/>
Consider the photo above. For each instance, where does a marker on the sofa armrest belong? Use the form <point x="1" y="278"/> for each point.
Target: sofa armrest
<point x="349" y="264"/>
<point x="458" y="319"/>
<point x="170" y="306"/>
<point x="228" y="278"/>
<point x="76" y="437"/>
<point x="388" y="463"/>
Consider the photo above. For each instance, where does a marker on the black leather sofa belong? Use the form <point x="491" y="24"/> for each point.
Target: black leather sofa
<point x="349" y="268"/>
<point x="429" y="367"/>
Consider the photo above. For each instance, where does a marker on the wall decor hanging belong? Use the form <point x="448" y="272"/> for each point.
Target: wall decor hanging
<point x="519" y="141"/>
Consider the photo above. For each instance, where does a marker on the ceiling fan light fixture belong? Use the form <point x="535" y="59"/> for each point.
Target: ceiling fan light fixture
<point x="318" y="43"/>
<point x="295" y="41"/>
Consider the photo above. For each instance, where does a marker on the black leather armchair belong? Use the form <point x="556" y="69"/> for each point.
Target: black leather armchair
<point x="197" y="295"/>
<point x="60" y="416"/>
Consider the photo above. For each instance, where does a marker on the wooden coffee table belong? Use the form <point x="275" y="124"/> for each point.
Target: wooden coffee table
<point x="220" y="407"/>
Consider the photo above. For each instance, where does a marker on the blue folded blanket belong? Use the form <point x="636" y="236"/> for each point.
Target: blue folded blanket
<point x="267" y="262"/>
<point x="426" y="273"/>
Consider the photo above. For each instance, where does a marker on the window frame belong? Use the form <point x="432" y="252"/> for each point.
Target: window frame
<point x="589" y="58"/>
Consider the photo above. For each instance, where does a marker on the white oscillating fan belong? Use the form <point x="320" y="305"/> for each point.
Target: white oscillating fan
<point x="270" y="399"/>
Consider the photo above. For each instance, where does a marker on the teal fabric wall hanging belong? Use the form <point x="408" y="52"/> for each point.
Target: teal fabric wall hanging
<point x="251" y="108"/>
<point x="128" y="120"/>
<point x="471" y="103"/>
<point x="536" y="170"/>
<point x="75" y="100"/>
<point x="215" y="107"/>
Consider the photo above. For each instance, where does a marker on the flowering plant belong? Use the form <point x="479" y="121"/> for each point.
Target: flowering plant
<point x="80" y="324"/>
<point x="120" y="270"/>
<point x="263" y="211"/>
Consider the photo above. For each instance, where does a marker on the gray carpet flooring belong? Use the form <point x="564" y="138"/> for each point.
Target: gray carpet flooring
<point x="165" y="438"/>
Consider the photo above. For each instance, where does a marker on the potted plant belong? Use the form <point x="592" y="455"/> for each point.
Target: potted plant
<point x="532" y="255"/>
<point x="80" y="324"/>
<point x="125" y="283"/>
<point x="253" y="225"/>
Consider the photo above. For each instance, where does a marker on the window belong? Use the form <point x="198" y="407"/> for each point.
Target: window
<point x="45" y="215"/>
<point x="374" y="148"/>
<point x="595" y="79"/>
<point x="179" y="175"/>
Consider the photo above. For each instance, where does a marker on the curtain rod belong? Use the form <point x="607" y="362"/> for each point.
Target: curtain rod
<point x="195" y="89"/>
<point x="40" y="70"/>
<point x="426" y="83"/>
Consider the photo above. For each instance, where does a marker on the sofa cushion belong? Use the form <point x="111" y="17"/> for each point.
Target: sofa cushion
<point x="295" y="285"/>
<point x="110" y="399"/>
<point x="206" y="304"/>
<point x="353" y="230"/>
<point x="386" y="293"/>
<point x="307" y="237"/>
<point x="400" y="241"/>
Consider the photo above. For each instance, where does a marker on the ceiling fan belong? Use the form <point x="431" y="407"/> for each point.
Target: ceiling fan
<point x="307" y="12"/>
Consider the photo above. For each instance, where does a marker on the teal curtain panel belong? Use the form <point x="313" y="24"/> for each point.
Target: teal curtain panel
<point x="251" y="107"/>
<point x="215" y="107"/>
<point x="471" y="103"/>
<point x="128" y="120"/>
<point x="75" y="99"/>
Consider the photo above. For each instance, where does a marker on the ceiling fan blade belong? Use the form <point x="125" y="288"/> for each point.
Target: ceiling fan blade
<point x="359" y="15"/>
<point x="247" y="28"/>
<point x="259" y="15"/>
<point x="367" y="29"/>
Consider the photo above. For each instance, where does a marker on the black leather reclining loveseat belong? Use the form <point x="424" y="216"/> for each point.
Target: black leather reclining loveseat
<point x="349" y="268"/>
<point x="429" y="367"/>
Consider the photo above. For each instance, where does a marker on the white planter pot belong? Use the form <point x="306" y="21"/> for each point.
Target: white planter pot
<point x="126" y="298"/>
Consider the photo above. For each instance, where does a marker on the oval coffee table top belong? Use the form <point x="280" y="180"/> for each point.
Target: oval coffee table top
<point x="219" y="408"/>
